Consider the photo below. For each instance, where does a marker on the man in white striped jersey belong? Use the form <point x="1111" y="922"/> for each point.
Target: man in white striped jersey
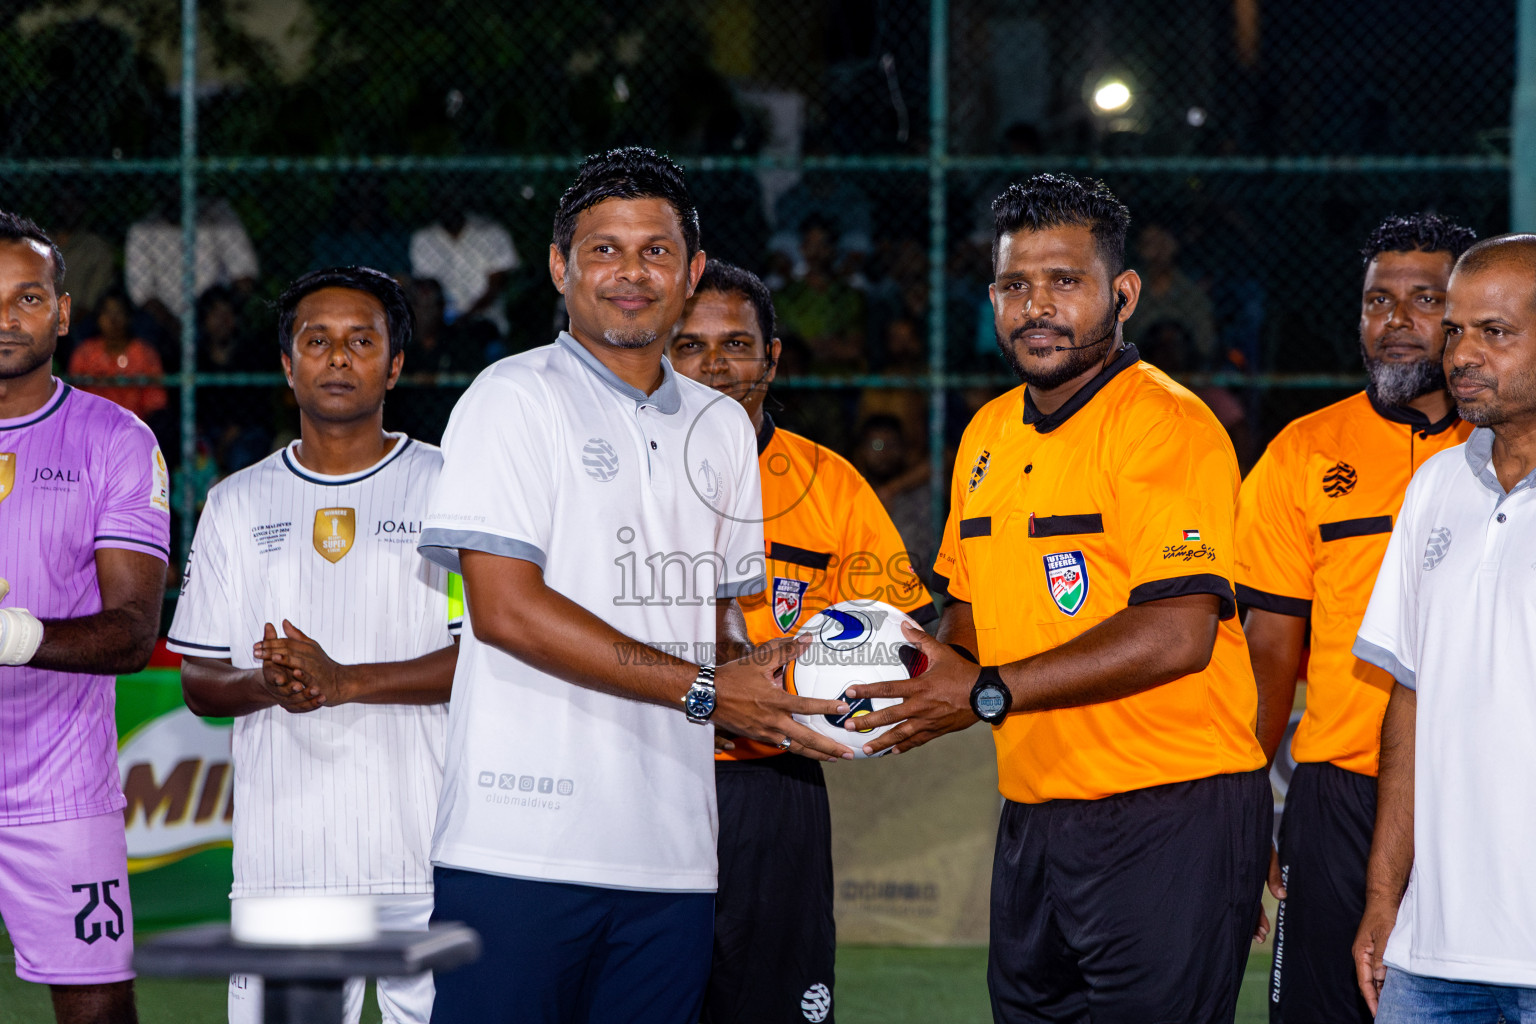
<point x="340" y="721"/>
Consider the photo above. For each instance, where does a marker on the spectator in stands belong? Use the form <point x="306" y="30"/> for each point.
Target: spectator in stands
<point x="358" y="233"/>
<point x="441" y="347"/>
<point x="235" y="424"/>
<point x="471" y="257"/>
<point x="222" y="346"/>
<point x="1168" y="295"/>
<point x="91" y="259"/>
<point x="115" y="352"/>
<point x="882" y="454"/>
<point x="821" y="307"/>
<point x="905" y="356"/>
<point x="152" y="261"/>
<point x="835" y="202"/>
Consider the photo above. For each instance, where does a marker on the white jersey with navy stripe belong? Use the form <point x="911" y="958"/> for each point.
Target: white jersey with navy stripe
<point x="645" y="509"/>
<point x="340" y="799"/>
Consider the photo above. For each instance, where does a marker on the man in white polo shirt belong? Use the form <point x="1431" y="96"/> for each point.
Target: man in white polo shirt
<point x="606" y="514"/>
<point x="1449" y="931"/>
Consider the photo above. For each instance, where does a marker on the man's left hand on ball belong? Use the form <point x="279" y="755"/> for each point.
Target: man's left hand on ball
<point x="932" y="704"/>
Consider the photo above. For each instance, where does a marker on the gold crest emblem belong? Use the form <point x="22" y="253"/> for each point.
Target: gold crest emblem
<point x="7" y="474"/>
<point x="334" y="530"/>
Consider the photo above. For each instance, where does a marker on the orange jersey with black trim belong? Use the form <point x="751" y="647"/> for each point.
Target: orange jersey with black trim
<point x="829" y="539"/>
<point x="1313" y="522"/>
<point x="1124" y="495"/>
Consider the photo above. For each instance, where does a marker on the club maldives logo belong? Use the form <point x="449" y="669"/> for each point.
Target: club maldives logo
<point x="1066" y="576"/>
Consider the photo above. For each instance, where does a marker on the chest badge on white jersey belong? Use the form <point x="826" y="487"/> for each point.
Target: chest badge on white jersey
<point x="7" y="474"/>
<point x="335" y="529"/>
<point x="599" y="460"/>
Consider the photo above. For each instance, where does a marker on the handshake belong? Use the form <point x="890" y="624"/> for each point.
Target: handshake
<point x="20" y="632"/>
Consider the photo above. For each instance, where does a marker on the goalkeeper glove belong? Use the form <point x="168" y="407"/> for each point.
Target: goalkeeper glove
<point x="20" y="632"/>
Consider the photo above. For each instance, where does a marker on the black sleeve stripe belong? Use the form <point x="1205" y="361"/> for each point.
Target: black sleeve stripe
<point x="924" y="614"/>
<point x="201" y="647"/>
<point x="976" y="526"/>
<point x="135" y="540"/>
<point x="1180" y="586"/>
<point x="1066" y="526"/>
<point x="799" y="556"/>
<point x="1367" y="527"/>
<point x="1267" y="602"/>
<point x="941" y="585"/>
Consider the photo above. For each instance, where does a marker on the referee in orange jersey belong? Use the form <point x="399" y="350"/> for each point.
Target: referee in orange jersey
<point x="1313" y="522"/>
<point x="829" y="539"/>
<point x="1088" y="553"/>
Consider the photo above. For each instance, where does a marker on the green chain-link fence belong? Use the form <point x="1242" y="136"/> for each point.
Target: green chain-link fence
<point x="846" y="149"/>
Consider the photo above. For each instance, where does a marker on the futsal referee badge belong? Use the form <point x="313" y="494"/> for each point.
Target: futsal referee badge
<point x="788" y="601"/>
<point x="334" y="530"/>
<point x="7" y="474"/>
<point x="1066" y="575"/>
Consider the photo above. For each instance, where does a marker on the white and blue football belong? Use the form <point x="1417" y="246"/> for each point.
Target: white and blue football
<point x="853" y="642"/>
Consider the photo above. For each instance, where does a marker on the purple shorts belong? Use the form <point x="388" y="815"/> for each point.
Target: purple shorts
<point x="64" y="899"/>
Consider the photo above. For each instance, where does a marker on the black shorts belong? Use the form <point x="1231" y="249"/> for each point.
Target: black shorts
<point x="1137" y="908"/>
<point x="557" y="953"/>
<point x="775" y="941"/>
<point x="1325" y="840"/>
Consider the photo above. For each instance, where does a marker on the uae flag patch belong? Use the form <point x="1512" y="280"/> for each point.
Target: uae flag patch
<point x="1191" y="534"/>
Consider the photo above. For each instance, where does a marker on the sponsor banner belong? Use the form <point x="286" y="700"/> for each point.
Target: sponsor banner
<point x="919" y="871"/>
<point x="175" y="772"/>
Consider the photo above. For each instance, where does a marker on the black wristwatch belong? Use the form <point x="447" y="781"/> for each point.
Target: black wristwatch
<point x="699" y="701"/>
<point x="990" y="697"/>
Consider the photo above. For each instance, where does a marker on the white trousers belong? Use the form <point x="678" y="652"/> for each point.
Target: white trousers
<point x="404" y="1000"/>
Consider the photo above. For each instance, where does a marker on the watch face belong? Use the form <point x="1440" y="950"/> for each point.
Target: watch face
<point x="989" y="702"/>
<point x="701" y="701"/>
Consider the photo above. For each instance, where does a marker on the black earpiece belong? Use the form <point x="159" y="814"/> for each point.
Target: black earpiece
<point x="1121" y="304"/>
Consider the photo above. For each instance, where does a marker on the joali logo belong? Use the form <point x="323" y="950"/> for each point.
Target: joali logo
<point x="788" y="602"/>
<point x="842" y="630"/>
<point x="979" y="471"/>
<point x="1339" y="480"/>
<point x="599" y="460"/>
<point x="816" y="1003"/>
<point x="1437" y="548"/>
<point x="176" y="777"/>
<point x="1066" y="574"/>
<point x="335" y="529"/>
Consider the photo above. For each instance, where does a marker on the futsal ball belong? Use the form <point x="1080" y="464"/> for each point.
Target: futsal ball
<point x="852" y="643"/>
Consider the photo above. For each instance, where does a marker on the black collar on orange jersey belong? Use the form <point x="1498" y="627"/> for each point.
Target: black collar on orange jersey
<point x="1411" y="416"/>
<point x="765" y="435"/>
<point x="1044" y="423"/>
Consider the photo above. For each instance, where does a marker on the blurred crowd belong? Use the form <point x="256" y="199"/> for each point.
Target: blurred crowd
<point x="851" y="282"/>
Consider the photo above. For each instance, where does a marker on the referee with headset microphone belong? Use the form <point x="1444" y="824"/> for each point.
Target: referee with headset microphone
<point x="1089" y="560"/>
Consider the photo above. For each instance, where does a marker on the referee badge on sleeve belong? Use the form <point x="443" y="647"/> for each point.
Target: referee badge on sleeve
<point x="1066" y="576"/>
<point x="335" y="529"/>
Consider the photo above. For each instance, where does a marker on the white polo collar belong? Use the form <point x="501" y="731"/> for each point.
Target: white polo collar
<point x="1479" y="453"/>
<point x="666" y="399"/>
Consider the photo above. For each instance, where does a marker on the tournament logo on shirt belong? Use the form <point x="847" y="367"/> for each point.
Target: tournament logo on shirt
<point x="788" y="601"/>
<point x="7" y="474"/>
<point x="335" y="529"/>
<point x="1066" y="575"/>
<point x="979" y="471"/>
<point x="160" y="485"/>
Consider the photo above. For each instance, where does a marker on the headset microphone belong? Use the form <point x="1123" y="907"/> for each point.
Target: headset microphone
<point x="1102" y="338"/>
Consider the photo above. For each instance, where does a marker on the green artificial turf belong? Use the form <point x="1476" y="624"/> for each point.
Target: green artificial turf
<point x="875" y="985"/>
